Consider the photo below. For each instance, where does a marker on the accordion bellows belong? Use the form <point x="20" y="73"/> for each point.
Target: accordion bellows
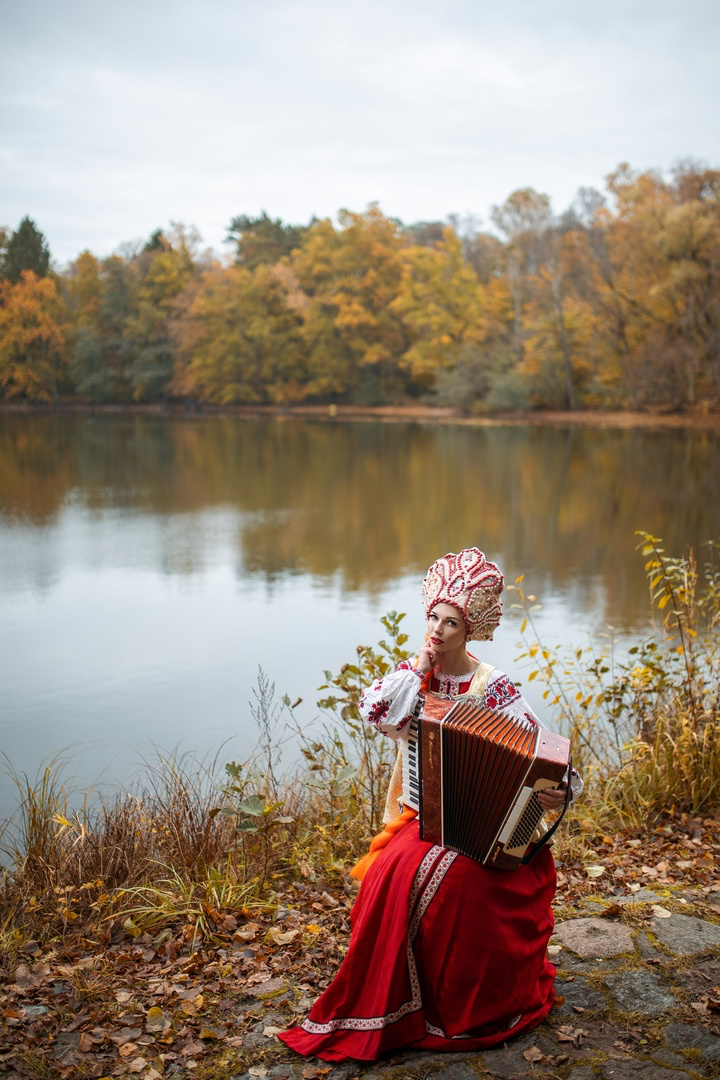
<point x="476" y="773"/>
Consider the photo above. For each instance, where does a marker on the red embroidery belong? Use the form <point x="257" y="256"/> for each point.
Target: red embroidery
<point x="503" y="693"/>
<point x="378" y="711"/>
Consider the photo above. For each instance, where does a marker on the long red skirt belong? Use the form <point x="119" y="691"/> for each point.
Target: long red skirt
<point x="444" y="955"/>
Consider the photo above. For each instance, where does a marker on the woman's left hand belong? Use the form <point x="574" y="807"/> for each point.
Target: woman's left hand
<point x="552" y="798"/>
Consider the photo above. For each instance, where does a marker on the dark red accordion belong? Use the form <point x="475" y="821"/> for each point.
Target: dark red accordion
<point x="473" y="774"/>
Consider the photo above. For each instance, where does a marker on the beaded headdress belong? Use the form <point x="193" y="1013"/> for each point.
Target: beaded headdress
<point x="469" y="583"/>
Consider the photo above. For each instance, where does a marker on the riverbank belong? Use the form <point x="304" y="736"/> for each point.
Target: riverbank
<point x="636" y="946"/>
<point x="698" y="421"/>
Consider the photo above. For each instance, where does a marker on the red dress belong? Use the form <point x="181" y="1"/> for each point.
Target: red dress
<point x="444" y="955"/>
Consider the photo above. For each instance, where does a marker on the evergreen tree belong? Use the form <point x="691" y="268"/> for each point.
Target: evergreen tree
<point x="26" y="249"/>
<point x="262" y="241"/>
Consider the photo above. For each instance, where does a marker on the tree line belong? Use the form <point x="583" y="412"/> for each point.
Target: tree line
<point x="614" y="303"/>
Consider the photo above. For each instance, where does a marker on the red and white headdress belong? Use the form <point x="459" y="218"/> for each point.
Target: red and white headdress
<point x="469" y="583"/>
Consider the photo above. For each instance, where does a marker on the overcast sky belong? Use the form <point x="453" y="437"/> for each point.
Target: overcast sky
<point x="120" y="116"/>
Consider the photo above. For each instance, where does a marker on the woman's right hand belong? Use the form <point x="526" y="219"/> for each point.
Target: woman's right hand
<point x="426" y="659"/>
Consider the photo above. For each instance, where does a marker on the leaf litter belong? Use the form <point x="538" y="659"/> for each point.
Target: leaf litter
<point x="122" y="1004"/>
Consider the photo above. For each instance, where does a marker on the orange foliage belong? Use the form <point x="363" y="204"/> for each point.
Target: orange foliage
<point x="31" y="337"/>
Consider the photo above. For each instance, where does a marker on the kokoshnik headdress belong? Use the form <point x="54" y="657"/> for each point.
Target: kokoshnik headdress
<point x="469" y="583"/>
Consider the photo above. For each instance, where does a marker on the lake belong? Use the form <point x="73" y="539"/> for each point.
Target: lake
<point x="150" y="566"/>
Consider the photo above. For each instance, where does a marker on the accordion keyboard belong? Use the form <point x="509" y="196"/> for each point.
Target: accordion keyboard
<point x="410" y="766"/>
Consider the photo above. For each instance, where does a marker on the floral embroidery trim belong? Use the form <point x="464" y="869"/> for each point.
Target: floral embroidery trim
<point x="450" y="684"/>
<point x="502" y="692"/>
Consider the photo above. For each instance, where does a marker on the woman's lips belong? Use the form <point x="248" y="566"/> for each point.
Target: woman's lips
<point x="436" y="640"/>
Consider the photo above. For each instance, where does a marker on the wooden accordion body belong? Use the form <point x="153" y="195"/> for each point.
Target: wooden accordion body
<point x="473" y="774"/>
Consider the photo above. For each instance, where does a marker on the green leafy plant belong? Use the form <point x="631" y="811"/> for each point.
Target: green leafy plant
<point x="372" y="756"/>
<point x="645" y="724"/>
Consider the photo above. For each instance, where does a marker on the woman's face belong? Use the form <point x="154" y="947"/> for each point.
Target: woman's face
<point x="446" y="628"/>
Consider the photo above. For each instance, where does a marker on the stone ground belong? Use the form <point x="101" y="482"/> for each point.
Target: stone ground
<point x="638" y="985"/>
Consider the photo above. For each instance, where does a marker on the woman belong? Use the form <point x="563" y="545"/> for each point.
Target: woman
<point x="445" y="954"/>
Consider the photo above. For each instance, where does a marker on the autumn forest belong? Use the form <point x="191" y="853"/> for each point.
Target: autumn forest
<point x="613" y="304"/>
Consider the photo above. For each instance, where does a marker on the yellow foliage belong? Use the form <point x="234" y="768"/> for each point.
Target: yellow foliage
<point x="31" y="338"/>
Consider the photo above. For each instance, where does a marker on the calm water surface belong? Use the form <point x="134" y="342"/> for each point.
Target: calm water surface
<point x="150" y="566"/>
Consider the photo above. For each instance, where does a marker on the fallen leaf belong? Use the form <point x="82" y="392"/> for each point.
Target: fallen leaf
<point x="567" y="1033"/>
<point x="314" y="1072"/>
<point x="269" y="986"/>
<point x="281" y="937"/>
<point x="533" y="1054"/>
<point x="258" y="1070"/>
<point x="192" y="1047"/>
<point x="155" y="1019"/>
<point x="22" y="976"/>
<point x="215" y="1032"/>
<point x="553" y="950"/>
<point x="270" y="1030"/>
<point x="594" y="870"/>
<point x="126" y="1036"/>
<point x="660" y="912"/>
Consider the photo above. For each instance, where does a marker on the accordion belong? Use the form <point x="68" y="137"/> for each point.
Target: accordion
<point x="473" y="775"/>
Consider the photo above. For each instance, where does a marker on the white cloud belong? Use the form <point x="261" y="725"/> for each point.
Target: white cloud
<point x="115" y="120"/>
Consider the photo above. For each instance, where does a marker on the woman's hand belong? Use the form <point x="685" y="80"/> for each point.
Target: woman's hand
<point x="426" y="659"/>
<point x="552" y="798"/>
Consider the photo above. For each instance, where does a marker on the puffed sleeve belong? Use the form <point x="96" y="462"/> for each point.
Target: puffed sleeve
<point x="389" y="702"/>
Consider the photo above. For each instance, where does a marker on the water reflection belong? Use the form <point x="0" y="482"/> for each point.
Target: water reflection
<point x="366" y="502"/>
